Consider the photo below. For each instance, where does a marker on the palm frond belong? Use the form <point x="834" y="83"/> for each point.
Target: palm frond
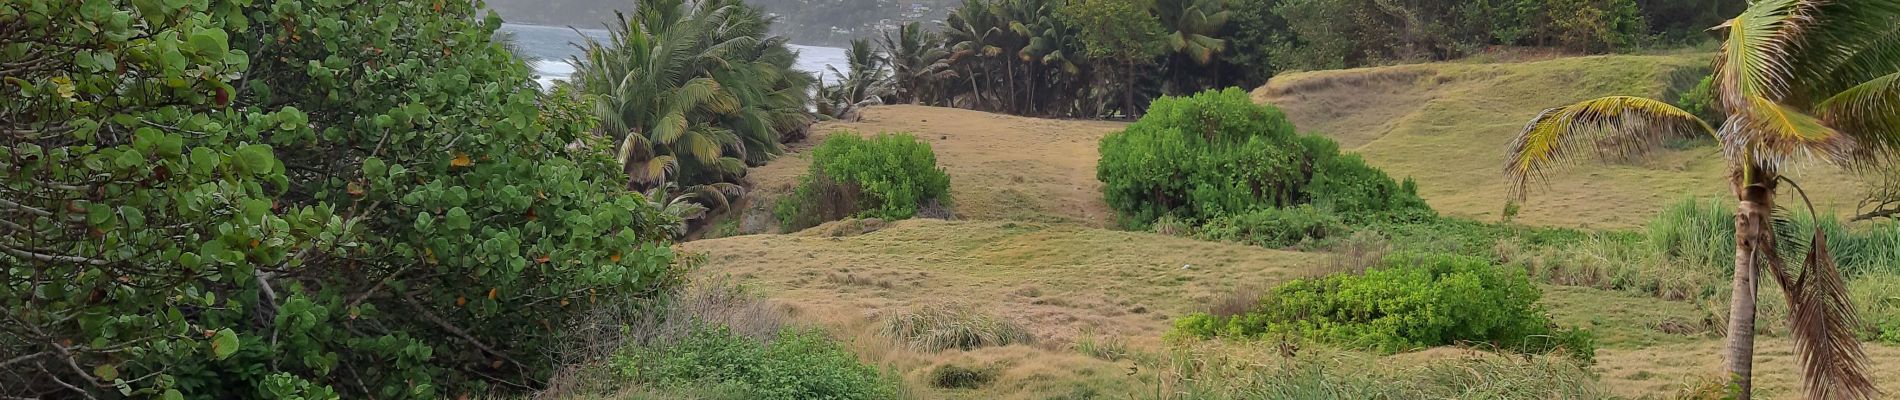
<point x="1770" y="134"/>
<point x="1754" y="57"/>
<point x="1870" y="114"/>
<point x="1611" y="127"/>
<point x="1823" y="323"/>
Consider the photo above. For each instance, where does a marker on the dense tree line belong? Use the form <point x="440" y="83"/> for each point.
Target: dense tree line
<point x="1091" y="58"/>
<point x="810" y="22"/>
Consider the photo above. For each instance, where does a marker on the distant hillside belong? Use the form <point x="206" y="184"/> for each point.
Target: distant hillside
<point x="1448" y="124"/>
<point x="807" y="22"/>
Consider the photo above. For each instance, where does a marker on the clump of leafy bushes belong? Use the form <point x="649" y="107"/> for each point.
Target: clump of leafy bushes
<point x="1410" y="301"/>
<point x="1217" y="154"/>
<point x="797" y="364"/>
<point x="215" y="201"/>
<point x="888" y="176"/>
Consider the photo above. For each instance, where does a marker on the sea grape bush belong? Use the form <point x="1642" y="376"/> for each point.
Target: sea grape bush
<point x="887" y="176"/>
<point x="1217" y="153"/>
<point x="1409" y="301"/>
<point x="318" y="199"/>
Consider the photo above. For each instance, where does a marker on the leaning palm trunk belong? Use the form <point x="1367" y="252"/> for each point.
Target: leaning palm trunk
<point x="1799" y="80"/>
<point x="1753" y="229"/>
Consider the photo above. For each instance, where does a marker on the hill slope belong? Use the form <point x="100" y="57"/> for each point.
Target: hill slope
<point x="1448" y="125"/>
<point x="1001" y="167"/>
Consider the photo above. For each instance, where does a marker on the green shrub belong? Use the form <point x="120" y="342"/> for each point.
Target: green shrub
<point x="795" y="365"/>
<point x="1274" y="227"/>
<point x="230" y="199"/>
<point x="935" y="328"/>
<point x="1411" y="301"/>
<point x="888" y="176"/>
<point x="1217" y="153"/>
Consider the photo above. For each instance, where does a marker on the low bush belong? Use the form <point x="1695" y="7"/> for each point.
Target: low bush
<point x="794" y="365"/>
<point x="1217" y="153"/>
<point x="888" y="176"/>
<point x="1274" y="227"/>
<point x="1410" y="301"/>
<point x="936" y="328"/>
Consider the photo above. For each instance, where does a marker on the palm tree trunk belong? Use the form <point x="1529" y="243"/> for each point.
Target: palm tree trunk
<point x="1752" y="230"/>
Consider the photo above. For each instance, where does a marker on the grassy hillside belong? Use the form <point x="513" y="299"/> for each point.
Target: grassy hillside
<point x="1001" y="167"/>
<point x="1068" y="284"/>
<point x="1448" y="125"/>
<point x="1032" y="247"/>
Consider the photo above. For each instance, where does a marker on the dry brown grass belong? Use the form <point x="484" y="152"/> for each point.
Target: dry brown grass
<point x="1001" y="167"/>
<point x="1027" y="249"/>
<point x="1448" y="124"/>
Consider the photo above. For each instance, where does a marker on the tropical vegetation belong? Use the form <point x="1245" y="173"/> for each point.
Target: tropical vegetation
<point x="1407" y="302"/>
<point x="1097" y="58"/>
<point x="1798" y="81"/>
<point x="887" y="176"/>
<point x="692" y="93"/>
<point x="319" y="199"/>
<point x="1218" y="154"/>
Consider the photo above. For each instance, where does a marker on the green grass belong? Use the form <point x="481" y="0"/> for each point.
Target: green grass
<point x="1323" y="373"/>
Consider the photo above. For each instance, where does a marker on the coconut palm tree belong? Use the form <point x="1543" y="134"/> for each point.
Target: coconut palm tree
<point x="1800" y="81"/>
<point x="917" y="62"/>
<point x="868" y="82"/>
<point x="693" y="90"/>
<point x="1191" y="27"/>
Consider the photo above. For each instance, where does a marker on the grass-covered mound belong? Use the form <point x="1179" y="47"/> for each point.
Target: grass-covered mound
<point x="1407" y="302"/>
<point x="1217" y="154"/>
<point x="888" y="176"/>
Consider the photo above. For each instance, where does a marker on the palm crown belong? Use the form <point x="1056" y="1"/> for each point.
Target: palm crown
<point x="1799" y="81"/>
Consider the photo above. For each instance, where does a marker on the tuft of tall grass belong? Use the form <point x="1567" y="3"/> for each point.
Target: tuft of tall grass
<point x="1701" y="234"/>
<point x="1104" y="348"/>
<point x="1878" y="299"/>
<point x="944" y="327"/>
<point x="1696" y="232"/>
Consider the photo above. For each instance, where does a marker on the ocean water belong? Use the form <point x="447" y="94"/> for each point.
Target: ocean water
<point x="552" y="45"/>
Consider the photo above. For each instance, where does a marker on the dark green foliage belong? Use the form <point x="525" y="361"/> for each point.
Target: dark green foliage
<point x="796" y="365"/>
<point x="1410" y="301"/>
<point x="238" y="199"/>
<point x="888" y="176"/>
<point x="1274" y="227"/>
<point x="1217" y="153"/>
